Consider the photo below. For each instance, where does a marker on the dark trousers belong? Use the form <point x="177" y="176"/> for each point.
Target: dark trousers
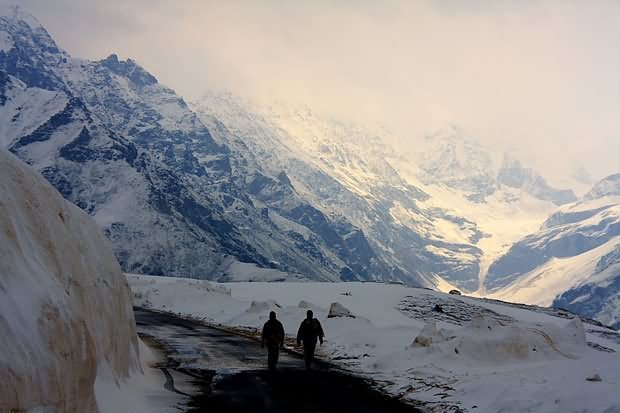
<point x="309" y="346"/>
<point x="273" y="352"/>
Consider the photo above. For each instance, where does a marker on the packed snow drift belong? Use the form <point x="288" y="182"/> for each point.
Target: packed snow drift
<point x="67" y="332"/>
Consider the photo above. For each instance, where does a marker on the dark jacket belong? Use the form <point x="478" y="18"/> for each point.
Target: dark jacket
<point x="273" y="333"/>
<point x="309" y="331"/>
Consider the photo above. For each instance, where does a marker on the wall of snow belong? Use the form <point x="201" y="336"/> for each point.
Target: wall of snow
<point x="65" y="307"/>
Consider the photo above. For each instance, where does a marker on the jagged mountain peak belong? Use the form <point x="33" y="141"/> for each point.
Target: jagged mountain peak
<point x="15" y="13"/>
<point x="513" y="174"/>
<point x="28" y="51"/>
<point x="452" y="133"/>
<point x="580" y="174"/>
<point x="341" y="204"/>
<point x="451" y="158"/>
<point x="452" y="151"/>
<point x="20" y="28"/>
<point x="609" y="186"/>
<point x="130" y="69"/>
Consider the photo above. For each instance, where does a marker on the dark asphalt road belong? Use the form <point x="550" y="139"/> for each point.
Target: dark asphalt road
<point x="231" y="372"/>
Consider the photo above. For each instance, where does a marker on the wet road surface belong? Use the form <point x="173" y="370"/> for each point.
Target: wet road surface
<point x="230" y="371"/>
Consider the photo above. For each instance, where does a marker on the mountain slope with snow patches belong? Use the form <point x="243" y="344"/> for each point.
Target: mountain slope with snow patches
<point x="329" y="165"/>
<point x="199" y="189"/>
<point x="131" y="153"/>
<point x="443" y="211"/>
<point x="572" y="261"/>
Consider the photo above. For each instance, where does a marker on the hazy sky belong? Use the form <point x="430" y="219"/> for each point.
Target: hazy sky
<point x="538" y="77"/>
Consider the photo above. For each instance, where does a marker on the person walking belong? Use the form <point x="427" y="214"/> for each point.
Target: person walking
<point x="273" y="337"/>
<point x="309" y="331"/>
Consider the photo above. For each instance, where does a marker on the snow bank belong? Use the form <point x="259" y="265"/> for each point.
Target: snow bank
<point x="487" y="340"/>
<point x="140" y="393"/>
<point x="65" y="308"/>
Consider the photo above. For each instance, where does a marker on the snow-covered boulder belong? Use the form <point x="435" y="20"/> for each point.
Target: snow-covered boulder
<point x="338" y="310"/>
<point x="305" y="304"/>
<point x="65" y="307"/>
<point x="429" y="335"/>
<point x="257" y="307"/>
<point x="492" y="341"/>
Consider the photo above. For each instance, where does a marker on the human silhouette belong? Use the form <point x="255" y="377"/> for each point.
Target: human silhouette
<point x="309" y="331"/>
<point x="273" y="337"/>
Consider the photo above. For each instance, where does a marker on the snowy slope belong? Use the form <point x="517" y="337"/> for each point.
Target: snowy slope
<point x="476" y="355"/>
<point x="330" y="165"/>
<point x="598" y="296"/>
<point x="504" y="199"/>
<point x="572" y="261"/>
<point x="546" y="282"/>
<point x="558" y="240"/>
<point x="448" y="157"/>
<point x="65" y="308"/>
<point x="453" y="204"/>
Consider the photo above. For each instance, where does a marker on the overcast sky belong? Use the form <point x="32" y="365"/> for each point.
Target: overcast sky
<point x="541" y="78"/>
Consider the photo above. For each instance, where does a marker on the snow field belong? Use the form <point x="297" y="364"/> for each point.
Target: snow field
<point x="475" y="353"/>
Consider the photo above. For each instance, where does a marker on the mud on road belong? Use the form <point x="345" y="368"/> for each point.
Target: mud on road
<point x="230" y="372"/>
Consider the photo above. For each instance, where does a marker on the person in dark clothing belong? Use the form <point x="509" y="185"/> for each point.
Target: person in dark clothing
<point x="273" y="337"/>
<point x="309" y="331"/>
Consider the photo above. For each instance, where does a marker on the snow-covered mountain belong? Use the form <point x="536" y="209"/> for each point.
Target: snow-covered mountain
<point x="451" y="158"/>
<point x="572" y="262"/>
<point x="513" y="175"/>
<point x="343" y="169"/>
<point x="172" y="200"/>
<point x="442" y="210"/>
<point x="199" y="190"/>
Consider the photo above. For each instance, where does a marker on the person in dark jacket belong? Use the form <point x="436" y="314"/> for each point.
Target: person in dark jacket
<point x="309" y="331"/>
<point x="273" y="337"/>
